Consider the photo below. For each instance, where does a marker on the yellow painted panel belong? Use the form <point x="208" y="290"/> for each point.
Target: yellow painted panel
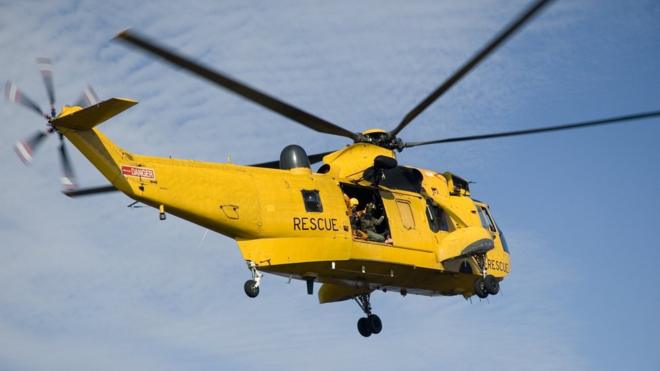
<point x="87" y="118"/>
<point x="407" y="218"/>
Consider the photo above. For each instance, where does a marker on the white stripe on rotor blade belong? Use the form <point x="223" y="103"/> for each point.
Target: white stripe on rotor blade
<point x="13" y="92"/>
<point x="23" y="152"/>
<point x="66" y="182"/>
<point x="45" y="65"/>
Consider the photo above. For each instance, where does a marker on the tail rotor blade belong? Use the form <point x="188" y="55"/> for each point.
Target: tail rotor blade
<point x="25" y="148"/>
<point x="46" y="69"/>
<point x="68" y="178"/>
<point x="87" y="98"/>
<point x="15" y="95"/>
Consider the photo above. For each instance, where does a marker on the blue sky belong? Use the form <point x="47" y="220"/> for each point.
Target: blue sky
<point x="91" y="284"/>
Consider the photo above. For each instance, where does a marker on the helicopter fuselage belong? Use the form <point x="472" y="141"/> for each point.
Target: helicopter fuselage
<point x="281" y="232"/>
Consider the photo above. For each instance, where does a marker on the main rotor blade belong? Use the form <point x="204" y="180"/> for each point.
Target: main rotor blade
<point x="15" y="95"/>
<point x="89" y="191"/>
<point x="87" y="98"/>
<point x="276" y="164"/>
<point x="25" y="148"/>
<point x="68" y="179"/>
<point x="501" y="37"/>
<point x="46" y="69"/>
<point x="264" y="100"/>
<point x="578" y="125"/>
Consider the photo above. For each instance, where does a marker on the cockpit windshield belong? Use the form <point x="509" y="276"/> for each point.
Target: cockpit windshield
<point x="488" y="223"/>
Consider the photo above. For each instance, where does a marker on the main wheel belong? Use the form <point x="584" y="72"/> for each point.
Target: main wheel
<point x="492" y="285"/>
<point x="251" y="288"/>
<point x="480" y="288"/>
<point x="364" y="327"/>
<point x="375" y="324"/>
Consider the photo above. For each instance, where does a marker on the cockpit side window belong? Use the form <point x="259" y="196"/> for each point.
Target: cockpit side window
<point x="484" y="213"/>
<point x="312" y="201"/>
<point x="486" y="220"/>
<point x="436" y="216"/>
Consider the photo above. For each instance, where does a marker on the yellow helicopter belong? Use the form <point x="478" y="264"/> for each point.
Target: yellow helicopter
<point x="358" y="224"/>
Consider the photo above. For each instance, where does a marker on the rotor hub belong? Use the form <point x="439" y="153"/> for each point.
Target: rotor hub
<point x="380" y="138"/>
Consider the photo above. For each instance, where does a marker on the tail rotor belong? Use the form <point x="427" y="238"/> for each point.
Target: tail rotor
<point x="26" y="148"/>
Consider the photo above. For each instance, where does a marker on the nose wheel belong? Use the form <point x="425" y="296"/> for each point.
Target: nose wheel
<point x="371" y="323"/>
<point x="251" y="287"/>
<point x="484" y="286"/>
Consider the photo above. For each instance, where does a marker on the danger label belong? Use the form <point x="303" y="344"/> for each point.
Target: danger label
<point x="139" y="172"/>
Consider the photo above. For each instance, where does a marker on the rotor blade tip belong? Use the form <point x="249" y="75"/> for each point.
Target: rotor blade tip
<point x="67" y="183"/>
<point x="123" y="33"/>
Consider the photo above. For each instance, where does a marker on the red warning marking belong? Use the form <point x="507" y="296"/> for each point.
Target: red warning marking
<point x="139" y="172"/>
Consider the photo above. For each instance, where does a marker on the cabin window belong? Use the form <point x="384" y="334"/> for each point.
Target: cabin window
<point x="405" y="211"/>
<point x="312" y="201"/>
<point x="436" y="216"/>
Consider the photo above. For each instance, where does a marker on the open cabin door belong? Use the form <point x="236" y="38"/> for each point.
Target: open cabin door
<point x="367" y="213"/>
<point x="404" y="220"/>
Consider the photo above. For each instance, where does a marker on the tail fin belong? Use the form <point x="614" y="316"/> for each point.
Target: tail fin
<point x="78" y="126"/>
<point x="83" y="119"/>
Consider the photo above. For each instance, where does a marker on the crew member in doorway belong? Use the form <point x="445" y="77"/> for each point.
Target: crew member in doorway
<point x="369" y="222"/>
<point x="356" y="216"/>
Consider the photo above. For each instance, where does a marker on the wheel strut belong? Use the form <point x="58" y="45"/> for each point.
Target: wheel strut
<point x="364" y="302"/>
<point x="481" y="263"/>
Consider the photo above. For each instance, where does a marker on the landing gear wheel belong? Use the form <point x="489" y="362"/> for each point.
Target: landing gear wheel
<point x="492" y="285"/>
<point x="371" y="324"/>
<point x="480" y="288"/>
<point x="364" y="327"/>
<point x="251" y="288"/>
<point x="375" y="324"/>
